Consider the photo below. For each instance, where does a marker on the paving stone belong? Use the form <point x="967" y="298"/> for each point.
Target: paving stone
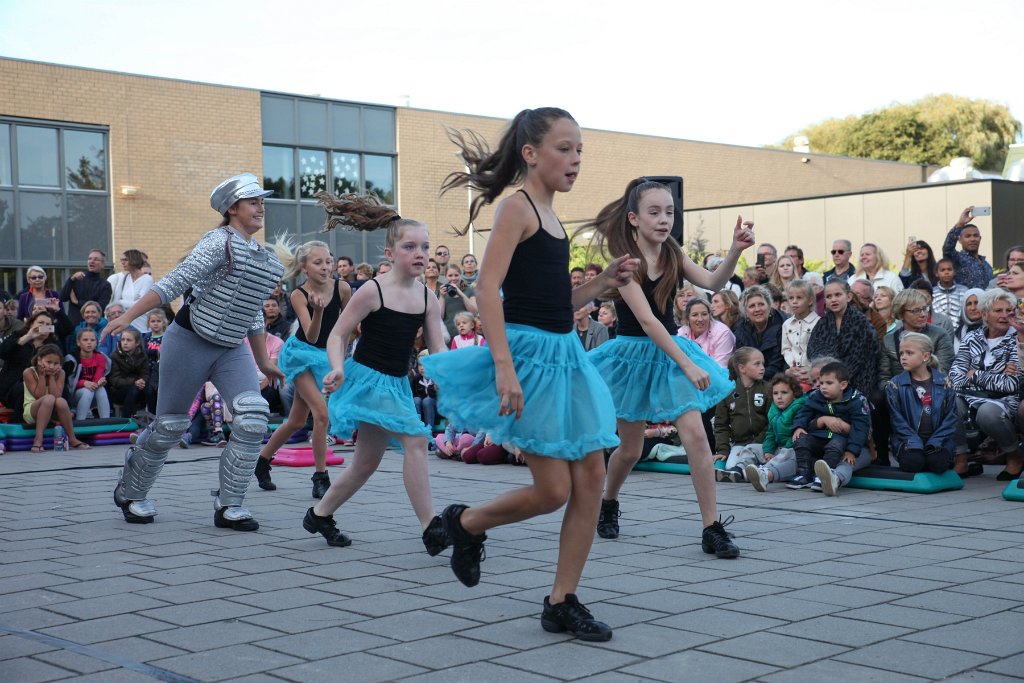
<point x="106" y="628"/>
<point x="442" y="652"/>
<point x="915" y="658"/>
<point x="488" y="609"/>
<point x="413" y="626"/>
<point x="774" y="649"/>
<point x="982" y="677"/>
<point x="958" y="603"/>
<point x="477" y="672"/>
<point x="717" y="622"/>
<point x="138" y="649"/>
<point x="839" y="672"/>
<point x="228" y="662"/>
<point x="201" y="612"/>
<point x="104" y="606"/>
<point x="112" y="676"/>
<point x="358" y="666"/>
<point x="836" y="629"/>
<point x="28" y="670"/>
<point x="999" y="634"/>
<point x="713" y="668"/>
<point x="325" y="643"/>
<point x="211" y="636"/>
<point x="568" y="661"/>
<point x="1011" y="666"/>
<point x="12" y="647"/>
<point x="73" y="661"/>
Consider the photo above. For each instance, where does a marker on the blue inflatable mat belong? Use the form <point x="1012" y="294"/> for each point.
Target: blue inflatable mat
<point x="1013" y="492"/>
<point x="113" y="424"/>
<point x="892" y="479"/>
<point x="674" y="467"/>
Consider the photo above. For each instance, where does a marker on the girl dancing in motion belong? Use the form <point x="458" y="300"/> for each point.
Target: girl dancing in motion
<point x="228" y="275"/>
<point x="681" y="380"/>
<point x="370" y="391"/>
<point x="317" y="304"/>
<point x="532" y="386"/>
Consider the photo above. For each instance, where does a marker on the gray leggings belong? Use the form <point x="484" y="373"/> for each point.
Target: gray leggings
<point x="187" y="361"/>
<point x="995" y="419"/>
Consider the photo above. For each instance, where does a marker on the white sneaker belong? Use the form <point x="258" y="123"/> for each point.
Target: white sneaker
<point x="758" y="477"/>
<point x="331" y="440"/>
<point x="829" y="480"/>
<point x="816" y="485"/>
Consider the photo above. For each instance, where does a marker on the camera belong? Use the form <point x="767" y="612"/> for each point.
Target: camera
<point x="451" y="290"/>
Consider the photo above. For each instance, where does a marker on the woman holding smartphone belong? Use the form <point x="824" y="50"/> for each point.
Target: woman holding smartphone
<point x="35" y="291"/>
<point x="17" y="352"/>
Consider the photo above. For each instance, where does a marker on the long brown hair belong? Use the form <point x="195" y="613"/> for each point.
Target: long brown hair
<point x="614" y="233"/>
<point x="491" y="172"/>
<point x="363" y="212"/>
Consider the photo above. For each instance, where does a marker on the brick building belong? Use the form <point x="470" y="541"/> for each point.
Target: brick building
<point x="97" y="158"/>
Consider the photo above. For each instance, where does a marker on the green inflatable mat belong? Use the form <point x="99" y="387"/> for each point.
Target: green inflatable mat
<point x="676" y="467"/>
<point x="1013" y="492"/>
<point x="14" y="430"/>
<point x="892" y="479"/>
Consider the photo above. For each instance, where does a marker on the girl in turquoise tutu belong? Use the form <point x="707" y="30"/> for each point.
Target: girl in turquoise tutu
<point x="654" y="375"/>
<point x="317" y="303"/>
<point x="532" y="386"/>
<point x="370" y="390"/>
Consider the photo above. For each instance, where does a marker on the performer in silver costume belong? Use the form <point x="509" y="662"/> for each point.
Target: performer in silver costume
<point x="225" y="280"/>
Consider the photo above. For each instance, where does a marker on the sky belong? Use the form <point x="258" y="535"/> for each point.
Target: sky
<point x="739" y="72"/>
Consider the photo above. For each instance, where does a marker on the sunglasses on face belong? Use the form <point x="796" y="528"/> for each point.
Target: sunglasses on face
<point x="440" y="253"/>
<point x="837" y="252"/>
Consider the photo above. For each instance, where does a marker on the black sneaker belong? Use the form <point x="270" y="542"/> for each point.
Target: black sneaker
<point x="736" y="474"/>
<point x="608" y="522"/>
<point x="800" y="481"/>
<point x="435" y="539"/>
<point x="467" y="549"/>
<point x="263" y="475"/>
<point x="321" y="482"/>
<point x="326" y="527"/>
<point x="572" y="617"/>
<point x="717" y="540"/>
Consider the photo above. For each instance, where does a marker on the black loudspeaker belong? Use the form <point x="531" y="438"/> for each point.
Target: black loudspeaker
<point x="675" y="186"/>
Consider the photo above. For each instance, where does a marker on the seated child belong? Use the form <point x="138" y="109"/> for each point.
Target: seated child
<point x="922" y="409"/>
<point x="486" y="452"/>
<point x="88" y="380"/>
<point x="454" y="440"/>
<point x="779" y="456"/>
<point x="129" y="373"/>
<point x="814" y="440"/>
<point x="424" y="394"/>
<point x="742" y="417"/>
<point x="214" y="413"/>
<point x="43" y="399"/>
<point x="465" y="323"/>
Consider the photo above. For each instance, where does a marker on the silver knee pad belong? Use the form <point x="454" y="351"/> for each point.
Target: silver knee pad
<point x="144" y="460"/>
<point x="238" y="461"/>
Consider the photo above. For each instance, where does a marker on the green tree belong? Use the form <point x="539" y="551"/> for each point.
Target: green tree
<point x="932" y="130"/>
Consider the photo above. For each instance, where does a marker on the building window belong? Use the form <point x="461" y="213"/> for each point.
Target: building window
<point x="54" y="198"/>
<point x="311" y="145"/>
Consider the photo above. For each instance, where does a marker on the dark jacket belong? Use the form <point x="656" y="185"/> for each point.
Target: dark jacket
<point x="742" y="417"/>
<point x="16" y="358"/>
<point x="419" y="389"/>
<point x="595" y="335"/>
<point x="889" y="359"/>
<point x="769" y="342"/>
<point x="906" y="408"/>
<point x="856" y="344"/>
<point x="852" y="408"/>
<point x="92" y="287"/>
<point x="126" y="368"/>
<point x="971" y="271"/>
<point x="780" y="426"/>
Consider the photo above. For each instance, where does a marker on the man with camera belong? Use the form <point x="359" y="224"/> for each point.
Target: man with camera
<point x="972" y="270"/>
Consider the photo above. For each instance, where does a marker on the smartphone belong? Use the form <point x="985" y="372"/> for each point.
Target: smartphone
<point x="49" y="329"/>
<point x="911" y="239"/>
<point x="760" y="261"/>
<point x="981" y="211"/>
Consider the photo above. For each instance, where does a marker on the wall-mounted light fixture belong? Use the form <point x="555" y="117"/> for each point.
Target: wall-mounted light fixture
<point x="129" y="190"/>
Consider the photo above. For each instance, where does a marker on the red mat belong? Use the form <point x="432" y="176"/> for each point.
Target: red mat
<point x="303" y="457"/>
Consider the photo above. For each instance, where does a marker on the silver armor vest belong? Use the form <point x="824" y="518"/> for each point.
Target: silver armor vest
<point x="224" y="312"/>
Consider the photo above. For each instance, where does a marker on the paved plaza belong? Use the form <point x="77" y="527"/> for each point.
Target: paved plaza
<point x="867" y="586"/>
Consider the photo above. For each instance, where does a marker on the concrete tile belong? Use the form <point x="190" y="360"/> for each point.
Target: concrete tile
<point x="105" y="606"/>
<point x="73" y="661"/>
<point x="570" y="660"/>
<point x="477" y="672"/>
<point x="413" y="626"/>
<point x="211" y="636"/>
<point x="717" y="622"/>
<point x="443" y="652"/>
<point x="489" y="609"/>
<point x="840" y="631"/>
<point x="981" y="677"/>
<point x="358" y="666"/>
<point x="325" y="643"/>
<point x="12" y="647"/>
<point x="228" y="662"/>
<point x="1011" y="666"/>
<point x="958" y="603"/>
<point x="898" y="615"/>
<point x="28" y="670"/>
<point x="106" y="628"/>
<point x="713" y="668"/>
<point x="915" y="658"/>
<point x="839" y="672"/>
<point x="774" y="649"/>
<point x="999" y="634"/>
<point x="201" y="612"/>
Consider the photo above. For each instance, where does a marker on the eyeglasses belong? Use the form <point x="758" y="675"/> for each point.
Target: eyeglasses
<point x="36" y="277"/>
<point x="917" y="311"/>
<point x="837" y="252"/>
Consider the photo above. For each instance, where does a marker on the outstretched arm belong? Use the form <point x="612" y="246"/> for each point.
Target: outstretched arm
<point x="742" y="238"/>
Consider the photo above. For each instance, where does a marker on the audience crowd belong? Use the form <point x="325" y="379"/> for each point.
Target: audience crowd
<point x="914" y="365"/>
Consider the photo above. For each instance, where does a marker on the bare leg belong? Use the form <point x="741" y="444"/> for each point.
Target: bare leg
<point x="296" y="421"/>
<point x="307" y="389"/>
<point x="63" y="411"/>
<point x="415" y="476"/>
<point x="552" y="482"/>
<point x="578" y="524"/>
<point x="631" y="442"/>
<point x="42" y="411"/>
<point x="702" y="471"/>
<point x="369" y="450"/>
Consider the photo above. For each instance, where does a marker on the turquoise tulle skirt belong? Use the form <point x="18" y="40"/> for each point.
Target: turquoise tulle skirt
<point x="567" y="411"/>
<point x="376" y="398"/>
<point x="647" y="385"/>
<point x="297" y="356"/>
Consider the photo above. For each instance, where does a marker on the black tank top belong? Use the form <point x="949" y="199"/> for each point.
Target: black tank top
<point x="330" y="316"/>
<point x="388" y="337"/>
<point x="630" y="326"/>
<point x="537" y="288"/>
